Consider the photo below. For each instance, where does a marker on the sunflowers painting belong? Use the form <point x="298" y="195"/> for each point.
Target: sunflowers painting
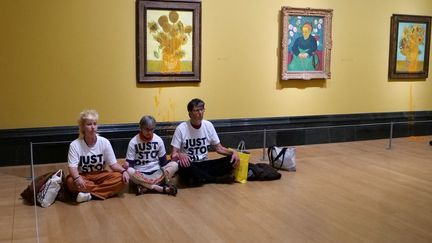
<point x="409" y="46"/>
<point x="169" y="41"/>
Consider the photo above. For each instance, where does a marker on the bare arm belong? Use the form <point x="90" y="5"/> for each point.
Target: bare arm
<point x="77" y="179"/>
<point x="182" y="158"/>
<point x="235" y="159"/>
<point x="117" y="167"/>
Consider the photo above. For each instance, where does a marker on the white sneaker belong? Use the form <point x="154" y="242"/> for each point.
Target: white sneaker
<point x="83" y="197"/>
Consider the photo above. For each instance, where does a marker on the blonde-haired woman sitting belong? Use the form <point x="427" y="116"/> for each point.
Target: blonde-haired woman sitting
<point x="88" y="156"/>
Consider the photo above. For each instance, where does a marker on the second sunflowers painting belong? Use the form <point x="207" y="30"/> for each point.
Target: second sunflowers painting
<point x="168" y="41"/>
<point x="409" y="46"/>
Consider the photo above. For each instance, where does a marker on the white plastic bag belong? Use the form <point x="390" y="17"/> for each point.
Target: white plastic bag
<point x="48" y="193"/>
<point x="282" y="158"/>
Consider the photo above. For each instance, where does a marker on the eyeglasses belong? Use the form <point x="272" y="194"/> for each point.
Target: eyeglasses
<point x="198" y="110"/>
<point x="151" y="129"/>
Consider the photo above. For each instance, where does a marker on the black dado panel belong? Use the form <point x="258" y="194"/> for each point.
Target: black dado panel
<point x="372" y="132"/>
<point x="342" y="134"/>
<point x="290" y="137"/>
<point x="51" y="144"/>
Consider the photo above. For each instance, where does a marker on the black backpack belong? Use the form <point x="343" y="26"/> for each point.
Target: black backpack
<point x="262" y="172"/>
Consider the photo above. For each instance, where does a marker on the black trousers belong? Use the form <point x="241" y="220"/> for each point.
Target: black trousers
<point x="208" y="171"/>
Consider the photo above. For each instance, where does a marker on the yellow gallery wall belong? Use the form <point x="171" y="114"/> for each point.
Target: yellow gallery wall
<point x="59" y="57"/>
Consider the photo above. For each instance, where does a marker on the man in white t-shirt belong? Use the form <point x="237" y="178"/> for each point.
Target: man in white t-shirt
<point x="191" y="142"/>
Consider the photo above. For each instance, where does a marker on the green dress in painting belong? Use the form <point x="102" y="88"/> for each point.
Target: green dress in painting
<point x="304" y="57"/>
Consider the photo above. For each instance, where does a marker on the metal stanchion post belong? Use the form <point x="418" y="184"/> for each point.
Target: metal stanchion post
<point x="31" y="173"/>
<point x="391" y="136"/>
<point x="264" y="145"/>
<point x="33" y="176"/>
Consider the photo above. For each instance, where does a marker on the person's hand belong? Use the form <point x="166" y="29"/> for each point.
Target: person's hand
<point x="235" y="159"/>
<point x="183" y="160"/>
<point x="125" y="165"/>
<point x="80" y="183"/>
<point x="125" y="176"/>
<point x="303" y="55"/>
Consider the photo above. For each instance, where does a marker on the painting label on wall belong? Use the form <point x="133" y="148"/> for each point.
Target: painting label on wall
<point x="409" y="46"/>
<point x="168" y="43"/>
<point x="306" y="43"/>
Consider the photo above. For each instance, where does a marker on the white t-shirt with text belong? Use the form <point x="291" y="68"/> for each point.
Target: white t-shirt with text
<point x="195" y="142"/>
<point x="145" y="154"/>
<point x="90" y="159"/>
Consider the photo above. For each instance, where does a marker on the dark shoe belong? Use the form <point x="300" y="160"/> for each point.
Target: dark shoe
<point x="170" y="190"/>
<point x="141" y="190"/>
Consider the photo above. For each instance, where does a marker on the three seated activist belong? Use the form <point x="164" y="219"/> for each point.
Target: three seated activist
<point x="191" y="142"/>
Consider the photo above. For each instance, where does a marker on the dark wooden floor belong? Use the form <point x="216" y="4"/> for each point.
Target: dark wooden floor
<point x="342" y="192"/>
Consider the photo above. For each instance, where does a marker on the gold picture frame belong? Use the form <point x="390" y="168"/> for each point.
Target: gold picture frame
<point x="168" y="41"/>
<point x="306" y="43"/>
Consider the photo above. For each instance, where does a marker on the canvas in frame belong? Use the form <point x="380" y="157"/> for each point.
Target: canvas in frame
<point x="306" y="43"/>
<point x="409" y="46"/>
<point x="168" y="41"/>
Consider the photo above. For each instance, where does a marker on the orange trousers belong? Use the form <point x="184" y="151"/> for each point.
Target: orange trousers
<point x="101" y="184"/>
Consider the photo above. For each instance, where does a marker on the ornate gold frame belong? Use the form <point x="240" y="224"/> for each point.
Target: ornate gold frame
<point x="325" y="53"/>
